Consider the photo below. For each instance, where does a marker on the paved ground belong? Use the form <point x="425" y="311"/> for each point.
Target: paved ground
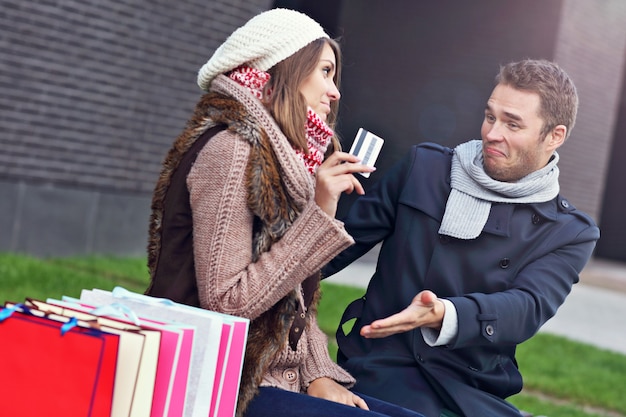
<point x="594" y="313"/>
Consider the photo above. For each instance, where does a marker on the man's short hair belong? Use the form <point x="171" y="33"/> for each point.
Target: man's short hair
<point x="556" y="90"/>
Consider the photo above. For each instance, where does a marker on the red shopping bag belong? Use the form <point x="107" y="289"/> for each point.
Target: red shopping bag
<point x="52" y="367"/>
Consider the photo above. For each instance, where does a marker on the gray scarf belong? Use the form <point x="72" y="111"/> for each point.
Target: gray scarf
<point x="473" y="191"/>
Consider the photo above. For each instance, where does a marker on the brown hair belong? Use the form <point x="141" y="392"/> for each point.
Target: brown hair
<point x="557" y="93"/>
<point x="287" y="105"/>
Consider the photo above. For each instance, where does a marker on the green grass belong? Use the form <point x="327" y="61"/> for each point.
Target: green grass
<point x="23" y="276"/>
<point x="562" y="378"/>
<point x="538" y="406"/>
<point x="574" y="372"/>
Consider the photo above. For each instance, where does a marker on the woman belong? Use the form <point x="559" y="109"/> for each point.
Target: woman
<point x="243" y="222"/>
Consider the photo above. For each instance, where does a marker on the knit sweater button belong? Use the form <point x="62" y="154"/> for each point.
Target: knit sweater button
<point x="290" y="375"/>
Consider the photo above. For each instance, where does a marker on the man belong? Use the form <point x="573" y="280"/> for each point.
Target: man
<point x="479" y="245"/>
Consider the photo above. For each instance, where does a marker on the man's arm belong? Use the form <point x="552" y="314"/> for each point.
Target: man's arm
<point x="509" y="316"/>
<point x="371" y="217"/>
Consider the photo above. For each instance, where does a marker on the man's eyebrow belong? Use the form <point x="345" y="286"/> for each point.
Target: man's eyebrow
<point x="513" y="116"/>
<point x="510" y="115"/>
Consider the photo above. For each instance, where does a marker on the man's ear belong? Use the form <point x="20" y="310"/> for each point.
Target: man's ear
<point x="557" y="137"/>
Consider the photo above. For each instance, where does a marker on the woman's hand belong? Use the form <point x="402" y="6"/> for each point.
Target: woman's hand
<point x="328" y="389"/>
<point x="334" y="177"/>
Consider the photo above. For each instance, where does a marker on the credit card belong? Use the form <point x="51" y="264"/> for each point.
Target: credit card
<point x="366" y="146"/>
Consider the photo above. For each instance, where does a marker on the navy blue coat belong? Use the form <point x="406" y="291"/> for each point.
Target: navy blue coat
<point x="505" y="285"/>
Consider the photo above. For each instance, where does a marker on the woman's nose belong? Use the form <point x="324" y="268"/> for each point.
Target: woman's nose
<point x="333" y="92"/>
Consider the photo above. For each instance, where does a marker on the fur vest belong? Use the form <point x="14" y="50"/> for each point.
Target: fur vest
<point x="274" y="212"/>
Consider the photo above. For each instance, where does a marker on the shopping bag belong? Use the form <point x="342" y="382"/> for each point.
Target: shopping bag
<point x="172" y="371"/>
<point x="138" y="355"/>
<point x="230" y="358"/>
<point x="226" y="340"/>
<point x="205" y="344"/>
<point x="55" y="366"/>
<point x="230" y="365"/>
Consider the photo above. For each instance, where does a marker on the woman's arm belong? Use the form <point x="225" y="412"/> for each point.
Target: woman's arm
<point x="228" y="280"/>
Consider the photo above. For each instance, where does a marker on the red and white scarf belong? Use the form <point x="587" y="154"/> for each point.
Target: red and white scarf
<point x="251" y="78"/>
<point x="318" y="133"/>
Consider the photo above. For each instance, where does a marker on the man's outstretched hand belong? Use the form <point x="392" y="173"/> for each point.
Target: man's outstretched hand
<point x="426" y="310"/>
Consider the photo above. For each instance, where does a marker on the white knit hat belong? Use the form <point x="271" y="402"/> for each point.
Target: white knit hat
<point x="261" y="43"/>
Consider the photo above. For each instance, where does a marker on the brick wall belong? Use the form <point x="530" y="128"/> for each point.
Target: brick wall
<point x="591" y="47"/>
<point x="93" y="90"/>
<point x="93" y="94"/>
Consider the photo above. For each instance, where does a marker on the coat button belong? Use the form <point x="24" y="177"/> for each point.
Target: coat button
<point x="290" y="375"/>
<point x="536" y="219"/>
<point x="504" y="263"/>
<point x="489" y="330"/>
<point x="564" y="203"/>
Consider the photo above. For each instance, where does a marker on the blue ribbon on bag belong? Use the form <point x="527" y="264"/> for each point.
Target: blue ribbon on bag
<point x="117" y="310"/>
<point x="69" y="325"/>
<point x="123" y="293"/>
<point x="8" y="311"/>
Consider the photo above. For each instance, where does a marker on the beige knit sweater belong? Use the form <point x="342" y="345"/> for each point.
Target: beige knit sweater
<point x="228" y="280"/>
